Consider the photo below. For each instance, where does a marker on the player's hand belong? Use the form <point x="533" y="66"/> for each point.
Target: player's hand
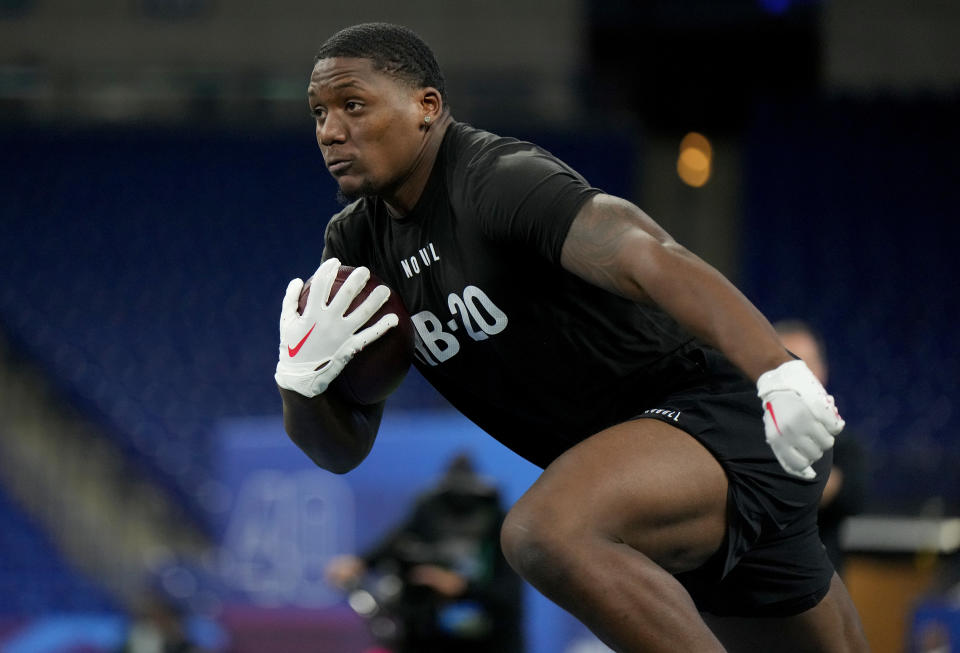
<point x="799" y="417"/>
<point x="316" y="346"/>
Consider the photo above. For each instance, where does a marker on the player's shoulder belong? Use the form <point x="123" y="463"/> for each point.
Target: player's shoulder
<point x="471" y="147"/>
<point x="479" y="161"/>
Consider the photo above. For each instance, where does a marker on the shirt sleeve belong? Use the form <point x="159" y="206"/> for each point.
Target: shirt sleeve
<point x="521" y="194"/>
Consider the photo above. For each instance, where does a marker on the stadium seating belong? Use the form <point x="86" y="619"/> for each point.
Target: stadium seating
<point x="33" y="578"/>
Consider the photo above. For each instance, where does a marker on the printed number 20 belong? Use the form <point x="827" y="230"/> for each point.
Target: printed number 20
<point x="480" y="317"/>
<point x="478" y="306"/>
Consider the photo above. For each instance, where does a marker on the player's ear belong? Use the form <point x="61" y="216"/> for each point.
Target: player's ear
<point x="431" y="104"/>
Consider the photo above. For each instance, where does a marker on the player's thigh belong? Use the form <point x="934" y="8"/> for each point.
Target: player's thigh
<point x="644" y="483"/>
<point x="831" y="626"/>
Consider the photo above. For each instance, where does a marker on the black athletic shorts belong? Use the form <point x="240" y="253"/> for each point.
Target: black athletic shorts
<point x="772" y="563"/>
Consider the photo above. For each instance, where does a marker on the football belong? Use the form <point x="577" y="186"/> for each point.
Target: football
<point x="378" y="369"/>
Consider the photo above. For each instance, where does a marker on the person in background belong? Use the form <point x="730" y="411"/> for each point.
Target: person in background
<point x="158" y="626"/>
<point x="453" y="591"/>
<point x="845" y="492"/>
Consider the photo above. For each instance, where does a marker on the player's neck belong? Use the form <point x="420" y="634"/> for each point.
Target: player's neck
<point x="411" y="187"/>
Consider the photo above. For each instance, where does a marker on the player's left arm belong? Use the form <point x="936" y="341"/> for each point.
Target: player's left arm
<point x="615" y="245"/>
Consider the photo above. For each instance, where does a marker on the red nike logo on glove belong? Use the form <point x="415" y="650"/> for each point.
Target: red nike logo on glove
<point x="293" y="352"/>
<point x="773" y="415"/>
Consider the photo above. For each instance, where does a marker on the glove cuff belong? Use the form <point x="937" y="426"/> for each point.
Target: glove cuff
<point x="308" y="384"/>
<point x="793" y="375"/>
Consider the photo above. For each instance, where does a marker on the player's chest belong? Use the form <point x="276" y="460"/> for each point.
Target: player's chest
<point x="460" y="290"/>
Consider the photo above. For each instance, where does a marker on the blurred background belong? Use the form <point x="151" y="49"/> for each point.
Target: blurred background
<point x="155" y="155"/>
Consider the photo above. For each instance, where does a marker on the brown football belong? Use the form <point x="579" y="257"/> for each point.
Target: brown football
<point x="379" y="368"/>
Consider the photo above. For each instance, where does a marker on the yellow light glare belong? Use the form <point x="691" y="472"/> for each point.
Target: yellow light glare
<point x="695" y="161"/>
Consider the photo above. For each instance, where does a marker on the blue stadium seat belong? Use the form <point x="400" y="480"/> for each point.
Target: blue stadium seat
<point x="34" y="579"/>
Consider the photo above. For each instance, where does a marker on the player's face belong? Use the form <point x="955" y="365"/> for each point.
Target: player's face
<point x="368" y="125"/>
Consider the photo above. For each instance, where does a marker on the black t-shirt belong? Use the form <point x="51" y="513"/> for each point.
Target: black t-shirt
<point x="532" y="354"/>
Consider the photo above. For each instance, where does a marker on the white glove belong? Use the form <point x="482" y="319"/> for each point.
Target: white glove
<point x="316" y="346"/>
<point x="799" y="416"/>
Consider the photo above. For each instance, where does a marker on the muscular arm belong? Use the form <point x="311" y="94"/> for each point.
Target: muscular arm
<point x="336" y="435"/>
<point x="615" y="245"/>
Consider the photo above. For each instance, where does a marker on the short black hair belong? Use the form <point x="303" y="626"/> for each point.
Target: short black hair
<point x="393" y="49"/>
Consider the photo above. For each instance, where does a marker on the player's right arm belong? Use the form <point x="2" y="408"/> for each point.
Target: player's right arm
<point x="315" y="346"/>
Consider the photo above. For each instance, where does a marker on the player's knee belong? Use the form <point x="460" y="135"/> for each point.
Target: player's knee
<point x="519" y="544"/>
<point x="534" y="550"/>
